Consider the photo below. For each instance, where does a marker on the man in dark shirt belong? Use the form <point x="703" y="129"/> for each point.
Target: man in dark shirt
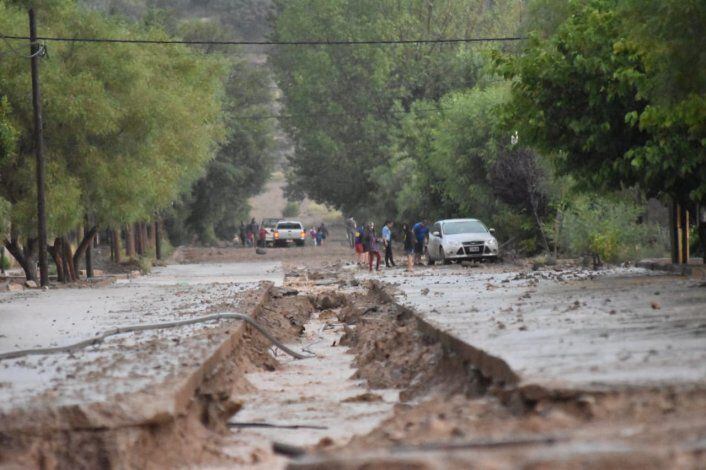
<point x="421" y="232"/>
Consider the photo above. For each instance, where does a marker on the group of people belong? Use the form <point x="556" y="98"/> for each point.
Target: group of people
<point x="368" y="244"/>
<point x="318" y="234"/>
<point x="251" y="232"/>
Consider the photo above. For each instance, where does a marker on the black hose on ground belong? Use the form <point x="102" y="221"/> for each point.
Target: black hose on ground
<point x="153" y="326"/>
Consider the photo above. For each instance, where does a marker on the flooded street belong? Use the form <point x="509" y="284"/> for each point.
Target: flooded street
<point x="449" y="366"/>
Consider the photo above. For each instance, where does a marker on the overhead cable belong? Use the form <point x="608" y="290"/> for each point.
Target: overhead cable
<point x="355" y="42"/>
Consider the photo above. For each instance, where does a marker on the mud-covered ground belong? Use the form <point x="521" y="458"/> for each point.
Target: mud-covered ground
<point x="409" y="370"/>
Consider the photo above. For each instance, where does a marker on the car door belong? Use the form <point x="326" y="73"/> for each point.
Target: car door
<point x="434" y="241"/>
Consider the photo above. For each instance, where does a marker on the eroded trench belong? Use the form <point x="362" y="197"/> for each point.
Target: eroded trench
<point x="385" y="391"/>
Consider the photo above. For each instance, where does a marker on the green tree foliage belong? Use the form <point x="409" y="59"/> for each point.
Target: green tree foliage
<point x="126" y="128"/>
<point x="668" y="36"/>
<point x="346" y="104"/>
<point x="243" y="163"/>
<point x="241" y="166"/>
<point x="465" y="163"/>
<point x="588" y="94"/>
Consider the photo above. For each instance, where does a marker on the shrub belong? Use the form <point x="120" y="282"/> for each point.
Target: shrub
<point x="291" y="209"/>
<point x="5" y="262"/>
<point x="609" y="228"/>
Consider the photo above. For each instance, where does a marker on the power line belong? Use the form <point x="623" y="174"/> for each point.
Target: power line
<point x="271" y="43"/>
<point x="261" y="117"/>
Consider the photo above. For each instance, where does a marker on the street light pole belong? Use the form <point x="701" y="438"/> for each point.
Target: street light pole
<point x="39" y="151"/>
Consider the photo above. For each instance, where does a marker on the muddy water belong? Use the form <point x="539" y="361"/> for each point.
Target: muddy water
<point x="317" y="394"/>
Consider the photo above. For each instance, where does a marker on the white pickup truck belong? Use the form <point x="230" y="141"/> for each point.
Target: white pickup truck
<point x="288" y="232"/>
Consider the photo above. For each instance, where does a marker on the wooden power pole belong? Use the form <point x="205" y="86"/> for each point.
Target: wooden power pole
<point x="39" y="150"/>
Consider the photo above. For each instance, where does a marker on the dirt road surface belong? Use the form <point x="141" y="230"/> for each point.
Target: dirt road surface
<point x="455" y="366"/>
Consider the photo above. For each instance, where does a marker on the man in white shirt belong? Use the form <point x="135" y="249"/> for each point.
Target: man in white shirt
<point x="387" y="239"/>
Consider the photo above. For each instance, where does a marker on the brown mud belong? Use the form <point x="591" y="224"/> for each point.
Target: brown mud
<point x="189" y="438"/>
<point x="451" y="416"/>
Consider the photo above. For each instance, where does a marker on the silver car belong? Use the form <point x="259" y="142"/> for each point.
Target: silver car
<point x="461" y="239"/>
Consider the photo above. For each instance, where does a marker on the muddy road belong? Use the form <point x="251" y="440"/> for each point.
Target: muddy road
<point x="499" y="366"/>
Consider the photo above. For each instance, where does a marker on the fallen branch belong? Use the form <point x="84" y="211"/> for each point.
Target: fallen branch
<point x="99" y="338"/>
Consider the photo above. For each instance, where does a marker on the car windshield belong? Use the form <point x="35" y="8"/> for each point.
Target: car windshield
<point x="289" y="225"/>
<point x="464" y="226"/>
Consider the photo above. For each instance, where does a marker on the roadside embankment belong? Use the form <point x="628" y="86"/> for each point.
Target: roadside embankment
<point x="122" y="402"/>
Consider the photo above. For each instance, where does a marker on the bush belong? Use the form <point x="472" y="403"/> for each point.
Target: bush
<point x="609" y="228"/>
<point x="5" y="262"/>
<point x="291" y="209"/>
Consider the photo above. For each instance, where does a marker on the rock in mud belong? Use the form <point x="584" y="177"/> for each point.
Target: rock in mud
<point x="328" y="315"/>
<point x="330" y="300"/>
<point x="367" y="397"/>
<point x="350" y="314"/>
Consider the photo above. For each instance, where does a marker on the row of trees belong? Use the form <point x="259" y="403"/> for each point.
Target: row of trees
<point x="606" y="96"/>
<point x="130" y="131"/>
<point x="244" y="161"/>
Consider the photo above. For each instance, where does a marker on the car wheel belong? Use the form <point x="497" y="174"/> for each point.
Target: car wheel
<point x="430" y="260"/>
<point x="442" y="256"/>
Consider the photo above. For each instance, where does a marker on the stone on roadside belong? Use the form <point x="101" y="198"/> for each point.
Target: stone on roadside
<point x="14" y="287"/>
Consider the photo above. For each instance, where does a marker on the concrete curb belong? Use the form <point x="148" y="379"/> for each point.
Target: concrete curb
<point x="166" y="403"/>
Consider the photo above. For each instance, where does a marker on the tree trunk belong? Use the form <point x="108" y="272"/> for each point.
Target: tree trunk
<point x="85" y="246"/>
<point x="679" y="231"/>
<point x="701" y="228"/>
<point x="136" y="235"/>
<point x="146" y="236"/>
<point x="25" y="256"/>
<point x="129" y="241"/>
<point x="116" y="245"/>
<point x="70" y="260"/>
<point x="111" y="239"/>
<point x="158" y="240"/>
<point x="55" y="252"/>
<point x="149" y="234"/>
<point x="89" y="262"/>
<point x="64" y="261"/>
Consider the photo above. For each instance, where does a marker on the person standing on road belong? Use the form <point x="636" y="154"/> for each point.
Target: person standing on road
<point x="410" y="241"/>
<point x="373" y="248"/>
<point x="262" y="237"/>
<point x="421" y="233"/>
<point x="351" y="228"/>
<point x="323" y="231"/>
<point x="358" y="245"/>
<point x="319" y="237"/>
<point x="387" y="240"/>
<point x="241" y="233"/>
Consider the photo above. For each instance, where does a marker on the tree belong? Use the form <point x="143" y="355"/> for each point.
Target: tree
<point x="344" y="103"/>
<point x="588" y="95"/>
<point x="243" y="163"/>
<point x="127" y="129"/>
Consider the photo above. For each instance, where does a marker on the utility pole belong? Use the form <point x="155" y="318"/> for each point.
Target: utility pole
<point x="38" y="150"/>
